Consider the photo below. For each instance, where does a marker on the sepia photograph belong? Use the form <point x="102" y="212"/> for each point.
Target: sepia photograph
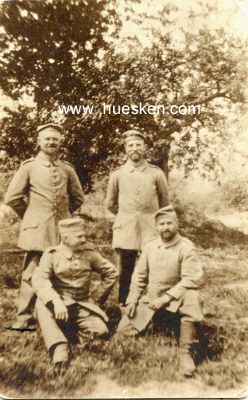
<point x="124" y="199"/>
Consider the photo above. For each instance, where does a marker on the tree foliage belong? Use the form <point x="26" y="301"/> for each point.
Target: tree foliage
<point x="60" y="53"/>
<point x="49" y="45"/>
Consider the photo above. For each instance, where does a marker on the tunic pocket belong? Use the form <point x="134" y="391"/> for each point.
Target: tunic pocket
<point x="121" y="224"/>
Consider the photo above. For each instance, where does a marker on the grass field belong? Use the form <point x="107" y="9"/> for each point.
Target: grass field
<point x="221" y="350"/>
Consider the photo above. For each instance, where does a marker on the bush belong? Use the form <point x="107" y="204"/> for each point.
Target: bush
<point x="235" y="193"/>
<point x="5" y="178"/>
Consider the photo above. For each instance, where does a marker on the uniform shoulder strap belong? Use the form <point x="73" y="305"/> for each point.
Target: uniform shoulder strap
<point x="153" y="166"/>
<point x="67" y="163"/>
<point x="28" y="160"/>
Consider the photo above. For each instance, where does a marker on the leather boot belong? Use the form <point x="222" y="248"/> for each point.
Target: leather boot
<point x="187" y="334"/>
<point x="60" y="355"/>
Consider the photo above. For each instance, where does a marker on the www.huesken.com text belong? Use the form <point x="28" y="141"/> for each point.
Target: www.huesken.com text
<point x="133" y="109"/>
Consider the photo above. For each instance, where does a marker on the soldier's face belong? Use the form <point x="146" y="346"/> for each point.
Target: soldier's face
<point x="75" y="240"/>
<point x="167" y="227"/>
<point x="49" y="141"/>
<point x="135" y="149"/>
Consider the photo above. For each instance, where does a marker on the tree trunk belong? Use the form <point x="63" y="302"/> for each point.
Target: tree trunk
<point x="163" y="159"/>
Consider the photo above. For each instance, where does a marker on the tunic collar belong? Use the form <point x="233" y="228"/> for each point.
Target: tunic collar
<point x="68" y="253"/>
<point x="41" y="157"/>
<point x="141" y="167"/>
<point x="171" y="243"/>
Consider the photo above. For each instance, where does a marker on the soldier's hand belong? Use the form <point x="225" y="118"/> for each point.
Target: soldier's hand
<point x="160" y="302"/>
<point x="130" y="309"/>
<point x="60" y="310"/>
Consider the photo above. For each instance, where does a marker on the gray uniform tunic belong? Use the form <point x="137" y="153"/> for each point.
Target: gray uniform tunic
<point x="134" y="195"/>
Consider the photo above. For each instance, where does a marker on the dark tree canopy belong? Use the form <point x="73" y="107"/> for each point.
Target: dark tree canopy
<point x="59" y="52"/>
<point x="49" y="45"/>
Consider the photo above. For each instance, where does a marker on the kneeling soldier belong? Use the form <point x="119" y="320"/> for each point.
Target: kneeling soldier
<point x="170" y="273"/>
<point x="62" y="285"/>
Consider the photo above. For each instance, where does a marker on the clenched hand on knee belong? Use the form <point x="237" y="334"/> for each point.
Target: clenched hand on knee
<point x="60" y="310"/>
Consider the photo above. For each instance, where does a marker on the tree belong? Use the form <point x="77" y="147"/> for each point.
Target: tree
<point x="48" y="45"/>
<point x="207" y="69"/>
<point x="49" y="52"/>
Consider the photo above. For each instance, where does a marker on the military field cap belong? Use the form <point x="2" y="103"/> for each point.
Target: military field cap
<point x="50" y="125"/>
<point x="133" y="134"/>
<point x="168" y="211"/>
<point x="70" y="225"/>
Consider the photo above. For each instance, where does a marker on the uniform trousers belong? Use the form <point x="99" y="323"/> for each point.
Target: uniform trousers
<point x="126" y="260"/>
<point x="79" y="317"/>
<point x="189" y="310"/>
<point x="27" y="295"/>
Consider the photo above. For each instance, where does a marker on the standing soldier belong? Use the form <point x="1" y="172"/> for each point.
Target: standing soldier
<point x="43" y="191"/>
<point x="135" y="192"/>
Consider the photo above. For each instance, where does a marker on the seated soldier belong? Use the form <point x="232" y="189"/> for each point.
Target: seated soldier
<point x="170" y="273"/>
<point x="62" y="285"/>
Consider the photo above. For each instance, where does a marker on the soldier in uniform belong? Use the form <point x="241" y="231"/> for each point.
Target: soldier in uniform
<point x="62" y="284"/>
<point x="43" y="191"/>
<point x="135" y="191"/>
<point x="170" y="273"/>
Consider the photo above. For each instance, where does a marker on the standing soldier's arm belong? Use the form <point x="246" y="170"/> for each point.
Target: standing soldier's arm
<point x="18" y="190"/>
<point x="112" y="194"/>
<point x="75" y="191"/>
<point x="108" y="274"/>
<point x="162" y="190"/>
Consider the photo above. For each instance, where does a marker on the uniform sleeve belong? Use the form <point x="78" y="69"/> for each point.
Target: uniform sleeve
<point x="112" y="194"/>
<point x="191" y="273"/>
<point x="41" y="280"/>
<point x="75" y="191"/>
<point x="139" y="278"/>
<point x="108" y="274"/>
<point x="18" y="190"/>
<point x="162" y="190"/>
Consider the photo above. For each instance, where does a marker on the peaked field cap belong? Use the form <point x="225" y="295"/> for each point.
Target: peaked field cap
<point x="71" y="225"/>
<point x="167" y="211"/>
<point x="50" y="125"/>
<point x="133" y="134"/>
